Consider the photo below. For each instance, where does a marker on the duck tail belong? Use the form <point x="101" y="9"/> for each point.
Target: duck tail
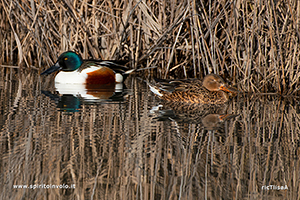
<point x="155" y="90"/>
<point x="129" y="71"/>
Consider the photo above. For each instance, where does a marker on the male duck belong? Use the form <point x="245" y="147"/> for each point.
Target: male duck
<point x="212" y="90"/>
<point x="74" y="70"/>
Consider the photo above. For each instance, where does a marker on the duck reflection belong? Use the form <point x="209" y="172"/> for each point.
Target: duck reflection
<point x="212" y="121"/>
<point x="210" y="116"/>
<point x="70" y="97"/>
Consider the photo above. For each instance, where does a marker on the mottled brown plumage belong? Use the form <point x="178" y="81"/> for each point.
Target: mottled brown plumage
<point x="212" y="90"/>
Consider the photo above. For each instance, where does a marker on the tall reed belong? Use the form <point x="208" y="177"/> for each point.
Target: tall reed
<point x="253" y="44"/>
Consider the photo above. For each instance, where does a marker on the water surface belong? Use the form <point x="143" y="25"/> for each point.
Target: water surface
<point x="133" y="146"/>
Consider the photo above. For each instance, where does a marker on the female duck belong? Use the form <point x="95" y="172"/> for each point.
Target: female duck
<point x="212" y="90"/>
<point x="74" y="70"/>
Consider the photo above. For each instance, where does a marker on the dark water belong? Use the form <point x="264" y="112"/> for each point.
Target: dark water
<point x="132" y="146"/>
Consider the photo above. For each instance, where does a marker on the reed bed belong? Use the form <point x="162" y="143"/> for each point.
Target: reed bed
<point x="253" y="44"/>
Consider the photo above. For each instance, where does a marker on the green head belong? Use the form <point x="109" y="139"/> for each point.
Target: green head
<point x="67" y="61"/>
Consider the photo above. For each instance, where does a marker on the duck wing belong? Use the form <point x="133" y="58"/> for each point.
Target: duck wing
<point x="178" y="85"/>
<point x="118" y="66"/>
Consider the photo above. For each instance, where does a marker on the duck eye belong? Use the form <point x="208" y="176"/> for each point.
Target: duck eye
<point x="66" y="59"/>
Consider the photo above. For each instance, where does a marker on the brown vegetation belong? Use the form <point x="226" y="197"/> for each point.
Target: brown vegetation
<point x="254" y="44"/>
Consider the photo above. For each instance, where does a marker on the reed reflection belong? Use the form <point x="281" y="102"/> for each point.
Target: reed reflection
<point x="129" y="150"/>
